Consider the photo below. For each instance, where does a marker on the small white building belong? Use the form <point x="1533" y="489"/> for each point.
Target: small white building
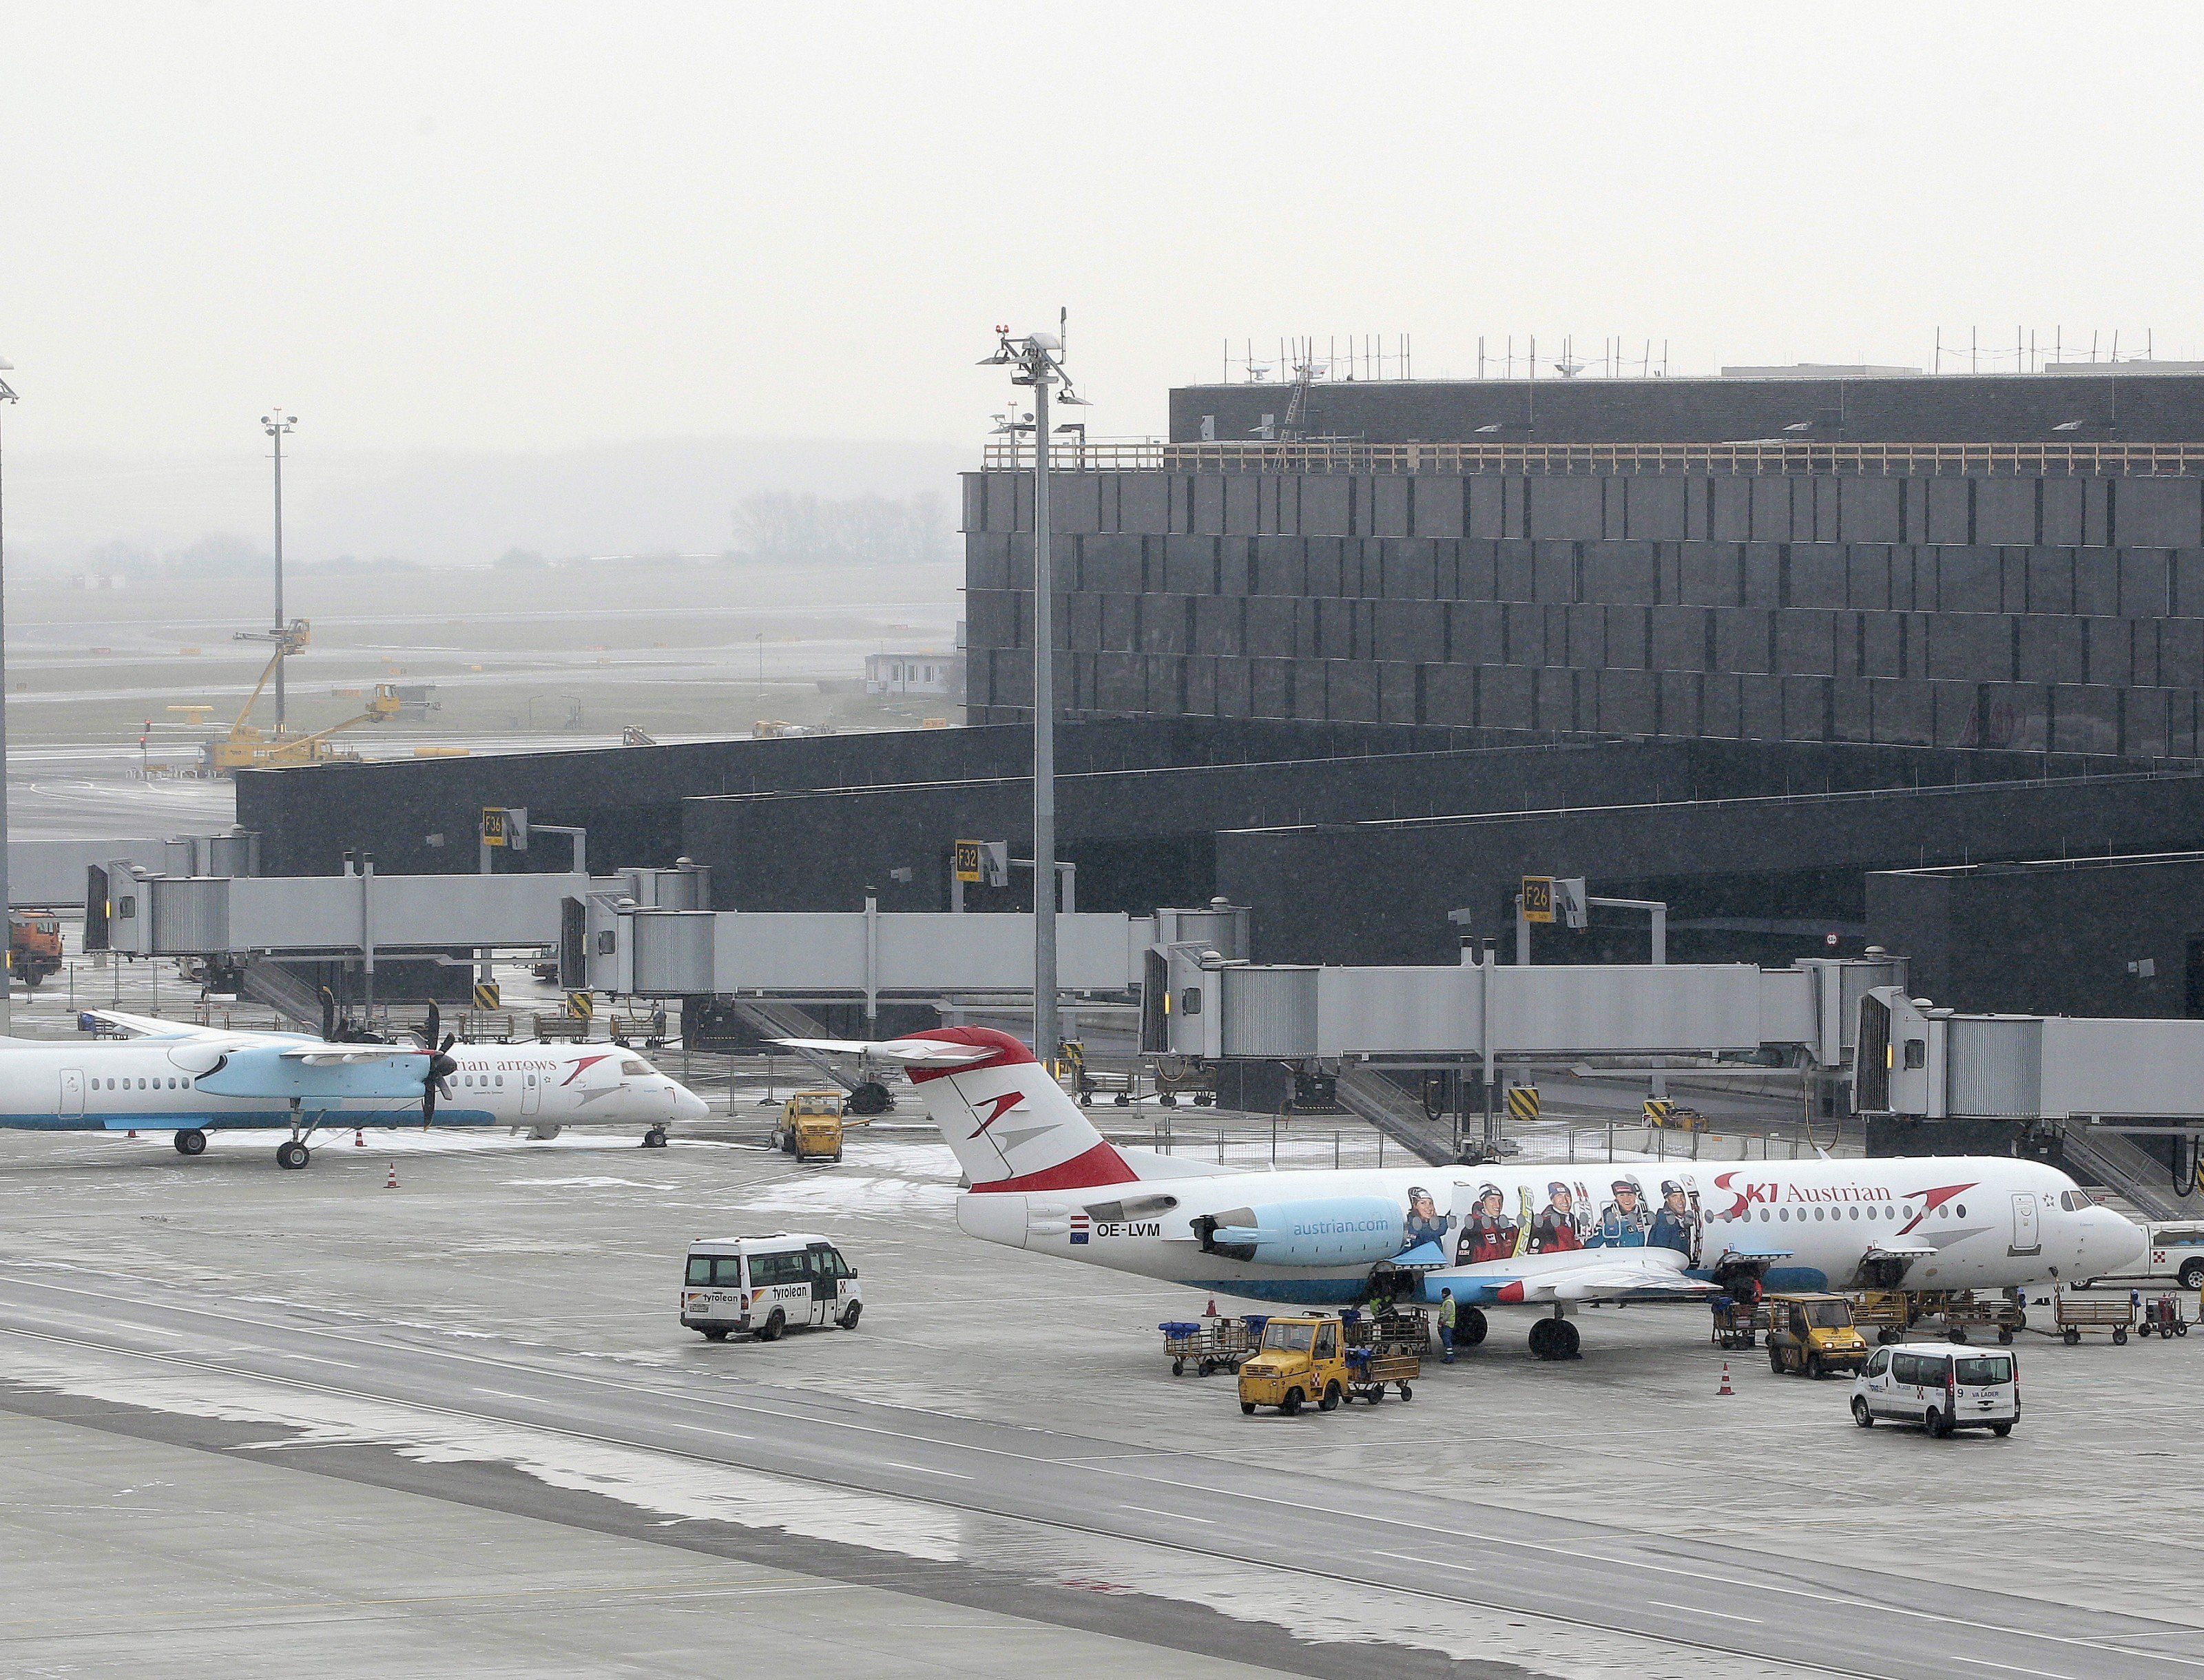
<point x="939" y="674"/>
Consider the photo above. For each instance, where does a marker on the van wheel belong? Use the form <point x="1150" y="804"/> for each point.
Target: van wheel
<point x="1291" y="1403"/>
<point x="771" y="1329"/>
<point x="1935" y="1424"/>
<point x="1861" y="1414"/>
<point x="2000" y="1430"/>
<point x="716" y="1335"/>
<point x="1331" y="1401"/>
<point x="849" y="1317"/>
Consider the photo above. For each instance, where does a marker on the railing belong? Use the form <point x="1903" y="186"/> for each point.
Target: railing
<point x="1873" y="459"/>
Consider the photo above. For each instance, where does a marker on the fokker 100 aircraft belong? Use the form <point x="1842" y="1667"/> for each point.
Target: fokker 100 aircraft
<point x="171" y="1076"/>
<point x="1549" y="1237"/>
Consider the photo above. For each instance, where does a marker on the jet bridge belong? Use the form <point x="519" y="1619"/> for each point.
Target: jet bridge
<point x="1916" y="1061"/>
<point x="642" y="950"/>
<point x="1219" y="1009"/>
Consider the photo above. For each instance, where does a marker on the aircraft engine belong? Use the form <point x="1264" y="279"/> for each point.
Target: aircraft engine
<point x="1325" y="1230"/>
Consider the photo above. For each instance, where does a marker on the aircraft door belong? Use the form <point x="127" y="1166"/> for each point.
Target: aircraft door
<point x="2027" y="1234"/>
<point x="532" y="1093"/>
<point x="72" y="1101"/>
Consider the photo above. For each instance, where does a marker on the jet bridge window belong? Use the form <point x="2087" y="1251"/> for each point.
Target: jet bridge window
<point x="1916" y="1053"/>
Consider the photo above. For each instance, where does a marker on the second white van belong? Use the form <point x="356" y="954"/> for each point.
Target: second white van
<point x="1941" y="1387"/>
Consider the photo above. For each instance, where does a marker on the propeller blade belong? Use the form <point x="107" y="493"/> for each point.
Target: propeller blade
<point x="450" y="1039"/>
<point x="428" y="1104"/>
<point x="434" y="1024"/>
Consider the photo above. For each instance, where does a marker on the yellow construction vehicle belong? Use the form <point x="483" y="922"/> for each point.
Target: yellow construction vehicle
<point x="811" y="1126"/>
<point x="249" y="747"/>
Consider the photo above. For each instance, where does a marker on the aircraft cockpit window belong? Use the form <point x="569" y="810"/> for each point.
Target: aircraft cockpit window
<point x="2074" y="1201"/>
<point x="633" y="1069"/>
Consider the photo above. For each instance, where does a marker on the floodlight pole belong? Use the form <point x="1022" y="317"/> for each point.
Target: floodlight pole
<point x="1043" y="729"/>
<point x="7" y="910"/>
<point x="1037" y="359"/>
<point x="276" y="423"/>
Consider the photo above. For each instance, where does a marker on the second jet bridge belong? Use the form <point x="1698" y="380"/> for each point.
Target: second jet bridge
<point x="1224" y="1010"/>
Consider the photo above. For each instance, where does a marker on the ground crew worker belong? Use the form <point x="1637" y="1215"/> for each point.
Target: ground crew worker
<point x="1446" y="1313"/>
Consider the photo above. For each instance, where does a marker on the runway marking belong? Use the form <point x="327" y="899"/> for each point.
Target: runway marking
<point x="802" y="1417"/>
<point x="1428" y="1562"/>
<point x="923" y="1469"/>
<point x="1175" y="1516"/>
<point x="1696" y="1610"/>
<point x="2009" y="1669"/>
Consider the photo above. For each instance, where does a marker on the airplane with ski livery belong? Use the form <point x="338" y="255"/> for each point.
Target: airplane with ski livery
<point x="1550" y="1238"/>
<point x="176" y="1077"/>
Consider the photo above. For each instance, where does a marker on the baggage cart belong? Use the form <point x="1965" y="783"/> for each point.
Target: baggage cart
<point x="2162" y="1318"/>
<point x="1370" y="1370"/>
<point x="2072" y="1317"/>
<point x="1211" y="1345"/>
<point x="1736" y="1323"/>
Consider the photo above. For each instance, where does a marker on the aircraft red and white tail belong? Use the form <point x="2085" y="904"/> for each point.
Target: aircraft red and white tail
<point x="1011" y="1125"/>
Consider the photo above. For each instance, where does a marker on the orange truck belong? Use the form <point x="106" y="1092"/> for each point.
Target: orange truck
<point x="34" y="946"/>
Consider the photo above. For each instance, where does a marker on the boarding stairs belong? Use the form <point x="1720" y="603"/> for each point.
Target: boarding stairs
<point x="1369" y="1093"/>
<point x="2108" y="1160"/>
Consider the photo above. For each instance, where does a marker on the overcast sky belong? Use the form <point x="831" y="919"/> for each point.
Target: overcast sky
<point x="537" y="226"/>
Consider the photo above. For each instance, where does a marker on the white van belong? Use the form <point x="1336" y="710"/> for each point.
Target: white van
<point x="1941" y="1387"/>
<point x="761" y="1286"/>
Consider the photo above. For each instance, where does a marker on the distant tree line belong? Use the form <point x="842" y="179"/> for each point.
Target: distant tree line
<point x="780" y="525"/>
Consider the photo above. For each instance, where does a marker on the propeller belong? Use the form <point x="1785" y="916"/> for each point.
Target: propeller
<point x="440" y="1065"/>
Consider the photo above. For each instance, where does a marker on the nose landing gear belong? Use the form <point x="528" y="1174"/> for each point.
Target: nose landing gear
<point x="654" y="1139"/>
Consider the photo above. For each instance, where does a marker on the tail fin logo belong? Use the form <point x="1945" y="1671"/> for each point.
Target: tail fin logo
<point x="1002" y="1105"/>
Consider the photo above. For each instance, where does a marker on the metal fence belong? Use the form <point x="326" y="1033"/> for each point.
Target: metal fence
<point x="1760" y="457"/>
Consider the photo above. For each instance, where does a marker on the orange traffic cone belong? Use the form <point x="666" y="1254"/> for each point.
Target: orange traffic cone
<point x="1211" y="1311"/>
<point x="393" y="1185"/>
<point x="358" y="1140"/>
<point x="1724" y="1389"/>
<point x="133" y="1133"/>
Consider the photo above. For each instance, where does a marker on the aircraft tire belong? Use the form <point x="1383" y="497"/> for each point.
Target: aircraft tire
<point x="292" y="1155"/>
<point x="1470" y="1327"/>
<point x="191" y="1140"/>
<point x="1569" y="1341"/>
<point x="1542" y="1338"/>
<point x="654" y="1139"/>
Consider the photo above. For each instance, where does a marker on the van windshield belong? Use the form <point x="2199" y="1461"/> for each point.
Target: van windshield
<point x="1288" y="1338"/>
<point x="1985" y="1368"/>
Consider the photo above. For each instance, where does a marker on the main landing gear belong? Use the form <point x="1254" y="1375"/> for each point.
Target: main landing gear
<point x="191" y="1140"/>
<point x="1554" y="1338"/>
<point x="291" y="1155"/>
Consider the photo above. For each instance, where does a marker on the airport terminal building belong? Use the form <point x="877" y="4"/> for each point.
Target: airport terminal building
<point x="1738" y="644"/>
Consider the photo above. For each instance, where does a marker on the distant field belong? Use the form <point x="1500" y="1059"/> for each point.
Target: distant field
<point x="561" y="651"/>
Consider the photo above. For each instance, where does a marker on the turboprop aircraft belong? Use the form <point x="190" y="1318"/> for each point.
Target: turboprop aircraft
<point x="1039" y="1177"/>
<point x="171" y="1076"/>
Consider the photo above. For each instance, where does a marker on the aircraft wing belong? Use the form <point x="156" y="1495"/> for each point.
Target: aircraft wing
<point x="150" y="1026"/>
<point x="1583" y="1275"/>
<point x="910" y="1052"/>
<point x="335" y="1056"/>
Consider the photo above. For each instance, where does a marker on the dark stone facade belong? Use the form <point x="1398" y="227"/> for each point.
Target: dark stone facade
<point x="2047" y="613"/>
